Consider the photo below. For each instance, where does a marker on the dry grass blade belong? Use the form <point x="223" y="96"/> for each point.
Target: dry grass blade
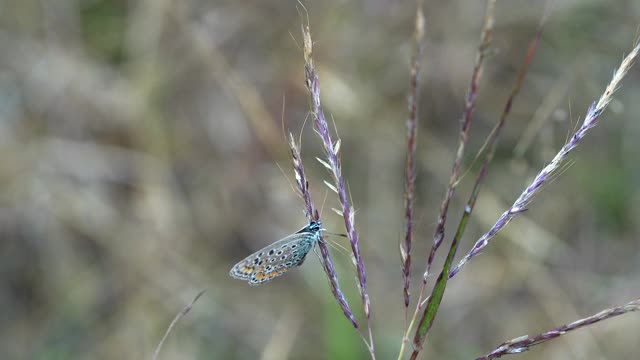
<point x="180" y="315"/>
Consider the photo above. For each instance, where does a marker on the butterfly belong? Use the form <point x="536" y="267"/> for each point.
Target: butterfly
<point x="279" y="257"/>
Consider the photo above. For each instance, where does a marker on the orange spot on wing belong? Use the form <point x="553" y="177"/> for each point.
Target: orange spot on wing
<point x="279" y="271"/>
<point x="260" y="276"/>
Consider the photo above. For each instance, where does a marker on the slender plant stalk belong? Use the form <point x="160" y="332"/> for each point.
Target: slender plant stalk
<point x="333" y="165"/>
<point x="434" y="301"/>
<point x="410" y="164"/>
<point x="521" y="203"/>
<point x="180" y="315"/>
<point x="485" y="41"/>
<point x="524" y="343"/>
<point x="492" y="140"/>
<point x="312" y="214"/>
<point x="463" y="137"/>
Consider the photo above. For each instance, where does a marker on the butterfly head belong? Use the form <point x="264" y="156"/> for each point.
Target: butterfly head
<point x="314" y="226"/>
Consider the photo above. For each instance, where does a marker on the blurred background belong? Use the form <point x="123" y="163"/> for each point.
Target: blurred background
<point x="142" y="143"/>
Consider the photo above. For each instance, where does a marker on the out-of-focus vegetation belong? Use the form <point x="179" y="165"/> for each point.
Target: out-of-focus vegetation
<point x="140" y="144"/>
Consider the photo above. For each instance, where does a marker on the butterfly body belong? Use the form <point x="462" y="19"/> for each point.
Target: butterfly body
<point x="279" y="257"/>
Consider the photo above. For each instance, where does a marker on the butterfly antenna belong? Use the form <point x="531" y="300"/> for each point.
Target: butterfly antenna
<point x="340" y="248"/>
<point x="334" y="245"/>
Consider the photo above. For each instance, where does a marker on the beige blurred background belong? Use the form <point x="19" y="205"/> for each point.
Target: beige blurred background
<point x="141" y="141"/>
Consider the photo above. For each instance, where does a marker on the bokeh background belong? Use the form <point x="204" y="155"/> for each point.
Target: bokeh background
<point x="140" y="148"/>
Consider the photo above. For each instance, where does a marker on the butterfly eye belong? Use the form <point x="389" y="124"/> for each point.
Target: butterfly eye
<point x="271" y="252"/>
<point x="293" y="246"/>
<point x="280" y="252"/>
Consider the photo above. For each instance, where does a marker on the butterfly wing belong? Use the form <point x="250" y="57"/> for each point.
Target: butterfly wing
<point x="275" y="259"/>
